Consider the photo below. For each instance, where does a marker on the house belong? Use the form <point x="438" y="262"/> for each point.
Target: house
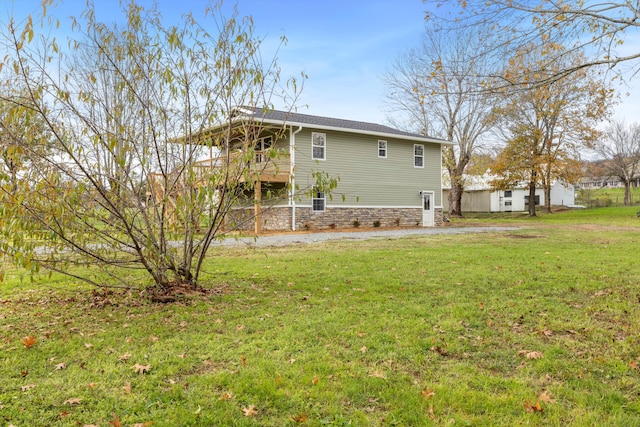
<point x="597" y="182"/>
<point x="387" y="177"/>
<point x="479" y="196"/>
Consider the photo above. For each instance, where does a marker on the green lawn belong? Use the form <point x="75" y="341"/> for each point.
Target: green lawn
<point x="535" y="327"/>
<point x="606" y="197"/>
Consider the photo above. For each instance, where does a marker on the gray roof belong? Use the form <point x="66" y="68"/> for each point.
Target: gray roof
<point x="319" y="122"/>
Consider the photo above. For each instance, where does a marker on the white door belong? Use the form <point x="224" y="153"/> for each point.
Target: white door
<point x="427" y="208"/>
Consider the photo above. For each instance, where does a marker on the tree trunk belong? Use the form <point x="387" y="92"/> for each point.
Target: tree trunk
<point x="455" y="197"/>
<point x="547" y="197"/>
<point x="532" y="197"/>
<point x="627" y="193"/>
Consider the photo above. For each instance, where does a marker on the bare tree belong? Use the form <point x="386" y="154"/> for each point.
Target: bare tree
<point x="130" y="109"/>
<point x="440" y="87"/>
<point x="600" y="27"/>
<point x="621" y="151"/>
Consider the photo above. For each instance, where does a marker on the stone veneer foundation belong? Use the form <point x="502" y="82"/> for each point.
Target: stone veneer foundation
<point x="279" y="218"/>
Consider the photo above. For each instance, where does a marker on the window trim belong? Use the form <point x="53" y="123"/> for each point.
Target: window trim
<point x="417" y="156"/>
<point x="313" y="145"/>
<point x="316" y="197"/>
<point x="386" y="145"/>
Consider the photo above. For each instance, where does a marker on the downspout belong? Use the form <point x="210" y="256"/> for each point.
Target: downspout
<point x="292" y="179"/>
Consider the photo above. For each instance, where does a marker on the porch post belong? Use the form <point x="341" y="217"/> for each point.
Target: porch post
<point x="257" y="208"/>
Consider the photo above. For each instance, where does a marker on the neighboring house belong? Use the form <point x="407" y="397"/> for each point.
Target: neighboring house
<point x="595" y="182"/>
<point x="480" y="197"/>
<point x="387" y="177"/>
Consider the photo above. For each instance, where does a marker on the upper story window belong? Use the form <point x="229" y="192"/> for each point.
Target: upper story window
<point x="318" y="146"/>
<point x="418" y="155"/>
<point x="382" y="149"/>
<point x="507" y="193"/>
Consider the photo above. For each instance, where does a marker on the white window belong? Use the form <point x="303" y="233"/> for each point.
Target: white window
<point x="318" y="146"/>
<point x="418" y="155"/>
<point x="382" y="149"/>
<point x="318" y="201"/>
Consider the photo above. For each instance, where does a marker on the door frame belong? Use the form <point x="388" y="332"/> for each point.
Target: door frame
<point x="426" y="202"/>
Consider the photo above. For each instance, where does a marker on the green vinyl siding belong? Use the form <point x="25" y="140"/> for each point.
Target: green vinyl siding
<point x="365" y="178"/>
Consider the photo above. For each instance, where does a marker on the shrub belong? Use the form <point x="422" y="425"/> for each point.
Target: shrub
<point x="356" y="223"/>
<point x="376" y="223"/>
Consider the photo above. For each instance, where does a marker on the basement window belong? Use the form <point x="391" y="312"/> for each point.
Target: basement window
<point x="318" y="201"/>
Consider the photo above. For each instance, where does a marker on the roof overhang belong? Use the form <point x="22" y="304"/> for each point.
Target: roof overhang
<point x="358" y="131"/>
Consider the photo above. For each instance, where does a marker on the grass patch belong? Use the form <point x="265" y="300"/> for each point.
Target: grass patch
<point x="530" y="327"/>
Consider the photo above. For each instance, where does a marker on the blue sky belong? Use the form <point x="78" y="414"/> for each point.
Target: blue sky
<point x="343" y="46"/>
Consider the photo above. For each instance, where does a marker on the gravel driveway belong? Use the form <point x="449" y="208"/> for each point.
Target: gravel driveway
<point x="305" y="238"/>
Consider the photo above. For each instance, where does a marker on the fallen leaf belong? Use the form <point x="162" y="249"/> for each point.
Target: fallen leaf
<point x="481" y="306"/>
<point x="64" y="414"/>
<point x="141" y="369"/>
<point x="302" y="418"/>
<point x="363" y="349"/>
<point x="292" y="361"/>
<point x="633" y="364"/>
<point x="250" y="411"/>
<point x="537" y="407"/>
<point x="87" y="345"/>
<point x="147" y="424"/>
<point x="124" y="357"/>
<point x="72" y="401"/>
<point x="546" y="397"/>
<point x="154" y="339"/>
<point x="27" y="387"/>
<point x="545" y="333"/>
<point x="116" y="421"/>
<point x="315" y="380"/>
<point x="127" y="388"/>
<point x="427" y="394"/>
<point x="91" y="385"/>
<point x="226" y="396"/>
<point x="377" y="374"/>
<point x="531" y="354"/>
<point x="218" y="320"/>
<point x="432" y="415"/>
<point x="29" y="341"/>
<point x="61" y="366"/>
<point x="440" y="350"/>
<point x="24" y="373"/>
<point x="243" y="360"/>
